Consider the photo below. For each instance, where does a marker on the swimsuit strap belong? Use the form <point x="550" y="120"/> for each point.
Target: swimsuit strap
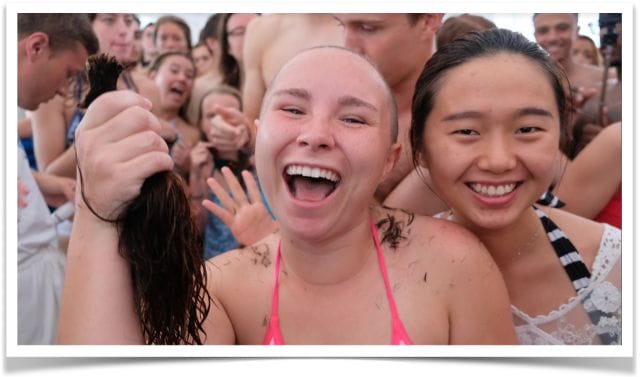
<point x="550" y="200"/>
<point x="398" y="333"/>
<point x="273" y="335"/>
<point x="566" y="252"/>
<point x="575" y="268"/>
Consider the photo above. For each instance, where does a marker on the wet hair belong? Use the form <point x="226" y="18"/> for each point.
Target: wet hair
<point x="480" y="45"/>
<point x="457" y="26"/>
<point x="391" y="101"/>
<point x="171" y="19"/>
<point x="65" y="30"/>
<point x="159" y="60"/>
<point x="159" y="239"/>
<point x="157" y="63"/>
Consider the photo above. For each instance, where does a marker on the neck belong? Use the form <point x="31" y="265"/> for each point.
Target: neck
<point x="166" y="114"/>
<point x="569" y="66"/>
<point x="403" y="93"/>
<point x="328" y="262"/>
<point x="505" y="243"/>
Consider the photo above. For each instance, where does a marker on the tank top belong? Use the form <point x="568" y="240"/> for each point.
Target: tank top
<point x="398" y="333"/>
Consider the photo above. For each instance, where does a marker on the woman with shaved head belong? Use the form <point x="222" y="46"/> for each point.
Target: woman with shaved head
<point x="339" y="270"/>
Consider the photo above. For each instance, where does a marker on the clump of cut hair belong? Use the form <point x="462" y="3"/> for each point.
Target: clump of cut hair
<point x="161" y="243"/>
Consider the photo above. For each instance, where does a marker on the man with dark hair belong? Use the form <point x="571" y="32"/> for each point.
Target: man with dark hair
<point x="399" y="45"/>
<point x="555" y="33"/>
<point x="52" y="48"/>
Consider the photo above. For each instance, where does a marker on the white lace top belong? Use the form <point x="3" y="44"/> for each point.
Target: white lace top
<point x="570" y="323"/>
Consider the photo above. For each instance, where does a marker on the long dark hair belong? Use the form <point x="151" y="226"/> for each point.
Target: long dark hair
<point x="476" y="45"/>
<point x="229" y="67"/>
<point x="161" y="242"/>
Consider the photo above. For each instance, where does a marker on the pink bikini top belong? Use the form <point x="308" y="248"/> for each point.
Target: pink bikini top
<point x="398" y="333"/>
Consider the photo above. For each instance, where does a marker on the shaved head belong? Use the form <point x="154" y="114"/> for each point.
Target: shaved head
<point x="375" y="74"/>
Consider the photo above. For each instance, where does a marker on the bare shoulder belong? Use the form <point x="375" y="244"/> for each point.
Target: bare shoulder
<point x="429" y="238"/>
<point x="585" y="234"/>
<point x="244" y="267"/>
<point x="262" y="29"/>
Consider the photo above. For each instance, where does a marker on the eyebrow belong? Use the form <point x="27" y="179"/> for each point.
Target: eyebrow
<point x="355" y="102"/>
<point x="462" y="115"/>
<point x="294" y="92"/>
<point x="476" y="114"/>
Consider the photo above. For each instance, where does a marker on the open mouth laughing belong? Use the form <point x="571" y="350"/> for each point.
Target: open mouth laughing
<point x="310" y="183"/>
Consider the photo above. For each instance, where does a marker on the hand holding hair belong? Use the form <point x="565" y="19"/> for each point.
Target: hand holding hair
<point x="148" y="204"/>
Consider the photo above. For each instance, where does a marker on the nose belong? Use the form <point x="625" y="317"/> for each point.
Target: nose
<point x="122" y="27"/>
<point x="352" y="42"/>
<point x="317" y="135"/>
<point x="498" y="156"/>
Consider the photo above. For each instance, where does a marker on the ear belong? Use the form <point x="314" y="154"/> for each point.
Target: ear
<point x="392" y="158"/>
<point x="430" y="24"/>
<point x="35" y="45"/>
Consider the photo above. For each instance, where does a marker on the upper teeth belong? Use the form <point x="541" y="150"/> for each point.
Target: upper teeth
<point x="493" y="190"/>
<point x="307" y="171"/>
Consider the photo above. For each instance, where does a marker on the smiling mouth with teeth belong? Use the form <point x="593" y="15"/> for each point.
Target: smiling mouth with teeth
<point x="311" y="184"/>
<point x="493" y="190"/>
<point x="176" y="91"/>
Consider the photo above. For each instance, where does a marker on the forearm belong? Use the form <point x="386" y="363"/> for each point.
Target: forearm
<point x="64" y="165"/>
<point x="97" y="302"/>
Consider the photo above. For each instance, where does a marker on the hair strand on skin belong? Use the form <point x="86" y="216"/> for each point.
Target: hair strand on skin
<point x="161" y="243"/>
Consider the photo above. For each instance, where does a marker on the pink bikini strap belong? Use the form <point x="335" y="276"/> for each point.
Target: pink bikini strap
<point x="383" y="268"/>
<point x="274" y="300"/>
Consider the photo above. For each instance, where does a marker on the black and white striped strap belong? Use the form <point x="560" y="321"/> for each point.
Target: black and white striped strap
<point x="566" y="252"/>
<point x="550" y="200"/>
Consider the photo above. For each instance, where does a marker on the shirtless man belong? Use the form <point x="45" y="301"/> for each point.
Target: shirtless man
<point x="399" y="45"/>
<point x="270" y="42"/>
<point x="556" y="32"/>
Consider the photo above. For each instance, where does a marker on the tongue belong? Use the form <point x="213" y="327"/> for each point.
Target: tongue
<point x="311" y="190"/>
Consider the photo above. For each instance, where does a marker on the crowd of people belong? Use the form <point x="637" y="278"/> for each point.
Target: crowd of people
<point x="352" y="179"/>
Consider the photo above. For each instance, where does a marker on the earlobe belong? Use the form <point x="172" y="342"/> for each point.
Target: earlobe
<point x="256" y="123"/>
